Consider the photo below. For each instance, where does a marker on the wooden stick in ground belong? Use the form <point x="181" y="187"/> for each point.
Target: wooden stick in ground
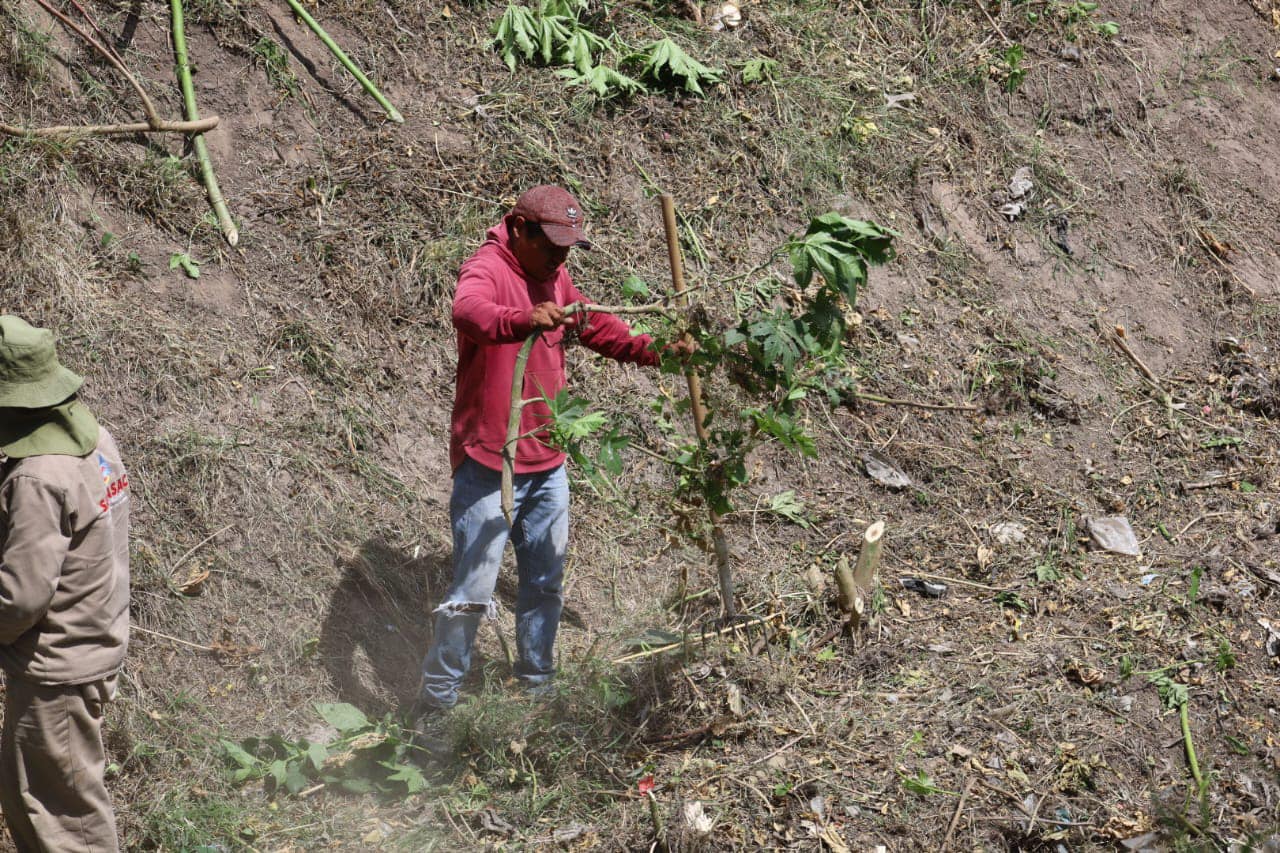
<point x="229" y="231"/>
<point x="365" y="82"/>
<point x="846" y="589"/>
<point x="866" y="570"/>
<point x="718" y="541"/>
<point x="854" y="583"/>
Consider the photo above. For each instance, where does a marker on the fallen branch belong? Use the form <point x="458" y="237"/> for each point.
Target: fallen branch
<point x="229" y="231"/>
<point x="1223" y="479"/>
<point x="961" y="581"/>
<point x="657" y="650"/>
<point x="914" y="404"/>
<point x="365" y="82"/>
<point x="1212" y="252"/>
<point x="187" y="643"/>
<point x="160" y="126"/>
<point x="205" y="541"/>
<point x="108" y="54"/>
<point x="101" y="44"/>
<point x="1116" y="337"/>
<point x="955" y="817"/>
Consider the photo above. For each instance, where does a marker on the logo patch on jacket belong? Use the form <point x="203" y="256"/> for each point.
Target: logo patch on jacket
<point x="117" y="490"/>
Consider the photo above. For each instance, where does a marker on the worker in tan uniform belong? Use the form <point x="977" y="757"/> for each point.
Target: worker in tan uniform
<point x="64" y="598"/>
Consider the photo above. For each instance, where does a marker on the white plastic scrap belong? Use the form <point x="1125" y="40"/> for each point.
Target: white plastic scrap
<point x="1113" y="533"/>
<point x="885" y="472"/>
<point x="1021" y="185"/>
<point x="1021" y="189"/>
<point x="696" y="819"/>
<point x="1012" y="210"/>
<point x="1009" y="532"/>
<point x="727" y="17"/>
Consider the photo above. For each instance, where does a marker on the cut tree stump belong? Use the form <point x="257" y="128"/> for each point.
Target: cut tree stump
<point x="855" y="584"/>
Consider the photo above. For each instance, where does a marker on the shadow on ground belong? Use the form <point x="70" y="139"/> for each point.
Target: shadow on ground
<point x="378" y="624"/>
<point x="379" y="621"/>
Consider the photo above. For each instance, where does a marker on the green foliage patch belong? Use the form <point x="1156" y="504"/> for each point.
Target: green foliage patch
<point x="367" y="756"/>
<point x="778" y="351"/>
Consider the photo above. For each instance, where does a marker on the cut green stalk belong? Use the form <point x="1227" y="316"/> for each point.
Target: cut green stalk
<point x="518" y="401"/>
<point x="216" y="201"/>
<point x="392" y="112"/>
<point x="1184" y="719"/>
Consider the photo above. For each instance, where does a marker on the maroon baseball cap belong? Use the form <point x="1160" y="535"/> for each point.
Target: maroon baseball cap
<point x="556" y="212"/>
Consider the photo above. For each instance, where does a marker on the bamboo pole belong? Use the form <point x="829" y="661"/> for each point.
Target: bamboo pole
<point x="229" y="231"/>
<point x="724" y="569"/>
<point x="513" y="428"/>
<point x="365" y="82"/>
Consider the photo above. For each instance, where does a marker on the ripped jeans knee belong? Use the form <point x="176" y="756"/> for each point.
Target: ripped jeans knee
<point x="459" y="608"/>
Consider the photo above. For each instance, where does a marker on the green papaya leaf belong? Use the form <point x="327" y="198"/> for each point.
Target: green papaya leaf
<point x="344" y="717"/>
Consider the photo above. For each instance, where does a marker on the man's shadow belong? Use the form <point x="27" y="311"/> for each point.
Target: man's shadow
<point x="378" y="624"/>
<point x="380" y="619"/>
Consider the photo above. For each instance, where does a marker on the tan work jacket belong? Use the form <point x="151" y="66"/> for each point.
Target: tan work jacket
<point x="64" y="566"/>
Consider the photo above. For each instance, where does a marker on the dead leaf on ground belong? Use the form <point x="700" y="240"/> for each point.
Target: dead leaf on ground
<point x="1220" y="249"/>
<point x="1082" y="673"/>
<point x="234" y="650"/>
<point x="984" y="556"/>
<point x="193" y="583"/>
<point x="831" y="837"/>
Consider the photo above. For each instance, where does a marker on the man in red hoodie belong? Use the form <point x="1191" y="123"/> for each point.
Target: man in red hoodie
<point x="515" y="284"/>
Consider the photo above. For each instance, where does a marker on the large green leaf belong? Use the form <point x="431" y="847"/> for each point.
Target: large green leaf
<point x="406" y="774"/>
<point x="344" y="717"/>
<point x="667" y="65"/>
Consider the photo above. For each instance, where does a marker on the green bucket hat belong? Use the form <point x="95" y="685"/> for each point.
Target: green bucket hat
<point x="30" y="375"/>
<point x="38" y="411"/>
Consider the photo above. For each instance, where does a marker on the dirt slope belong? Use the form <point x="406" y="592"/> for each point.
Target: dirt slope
<point x="285" y="418"/>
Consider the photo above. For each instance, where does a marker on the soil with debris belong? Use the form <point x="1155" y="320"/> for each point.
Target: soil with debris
<point x="1088" y="258"/>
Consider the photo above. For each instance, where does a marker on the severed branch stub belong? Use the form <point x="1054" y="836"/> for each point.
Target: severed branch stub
<point x="855" y="584"/>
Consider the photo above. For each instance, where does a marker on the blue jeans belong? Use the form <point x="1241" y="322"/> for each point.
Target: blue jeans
<point x="540" y="536"/>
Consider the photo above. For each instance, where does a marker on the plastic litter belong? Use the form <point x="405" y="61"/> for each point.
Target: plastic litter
<point x="928" y="589"/>
<point x="1009" y="532"/>
<point x="1021" y="184"/>
<point x="727" y="17"/>
<point x="1012" y="210"/>
<point x="885" y="472"/>
<point x="1113" y="533"/>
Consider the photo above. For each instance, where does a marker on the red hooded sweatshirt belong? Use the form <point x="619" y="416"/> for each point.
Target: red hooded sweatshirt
<point x="491" y="311"/>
